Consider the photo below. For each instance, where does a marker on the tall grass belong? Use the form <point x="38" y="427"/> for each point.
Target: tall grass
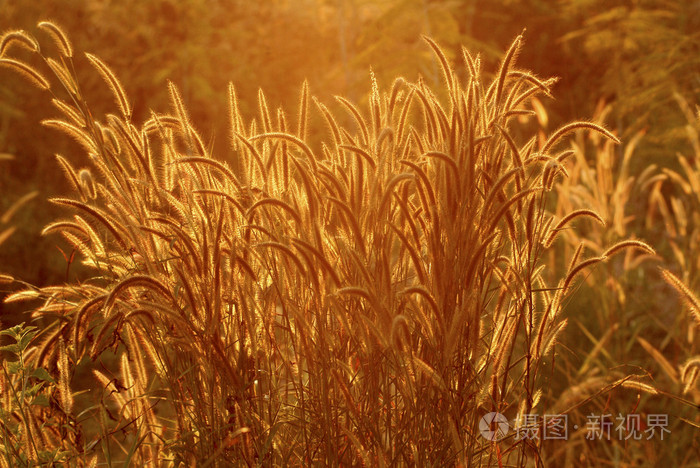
<point x="362" y="301"/>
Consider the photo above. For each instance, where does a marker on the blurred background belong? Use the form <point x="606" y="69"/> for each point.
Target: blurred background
<point x="637" y="56"/>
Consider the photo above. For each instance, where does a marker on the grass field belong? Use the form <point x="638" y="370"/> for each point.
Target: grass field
<point x="369" y="298"/>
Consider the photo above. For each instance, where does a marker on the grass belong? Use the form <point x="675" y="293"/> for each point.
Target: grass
<point x="362" y="300"/>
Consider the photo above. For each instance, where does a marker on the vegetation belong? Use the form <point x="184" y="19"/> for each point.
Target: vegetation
<point x="354" y="283"/>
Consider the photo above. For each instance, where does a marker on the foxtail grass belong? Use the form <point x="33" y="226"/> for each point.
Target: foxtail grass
<point x="368" y="303"/>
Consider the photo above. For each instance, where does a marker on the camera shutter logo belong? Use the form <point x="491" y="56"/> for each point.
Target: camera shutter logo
<point x="493" y="426"/>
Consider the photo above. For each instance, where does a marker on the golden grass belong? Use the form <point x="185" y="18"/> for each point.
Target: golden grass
<point x="367" y="304"/>
<point x="689" y="298"/>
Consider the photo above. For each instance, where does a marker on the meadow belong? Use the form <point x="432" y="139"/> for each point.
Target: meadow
<point x="363" y="294"/>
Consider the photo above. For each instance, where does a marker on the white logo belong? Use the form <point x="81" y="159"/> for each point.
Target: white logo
<point x="493" y="426"/>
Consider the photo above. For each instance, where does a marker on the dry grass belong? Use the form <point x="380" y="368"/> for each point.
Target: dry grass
<point x="366" y="303"/>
